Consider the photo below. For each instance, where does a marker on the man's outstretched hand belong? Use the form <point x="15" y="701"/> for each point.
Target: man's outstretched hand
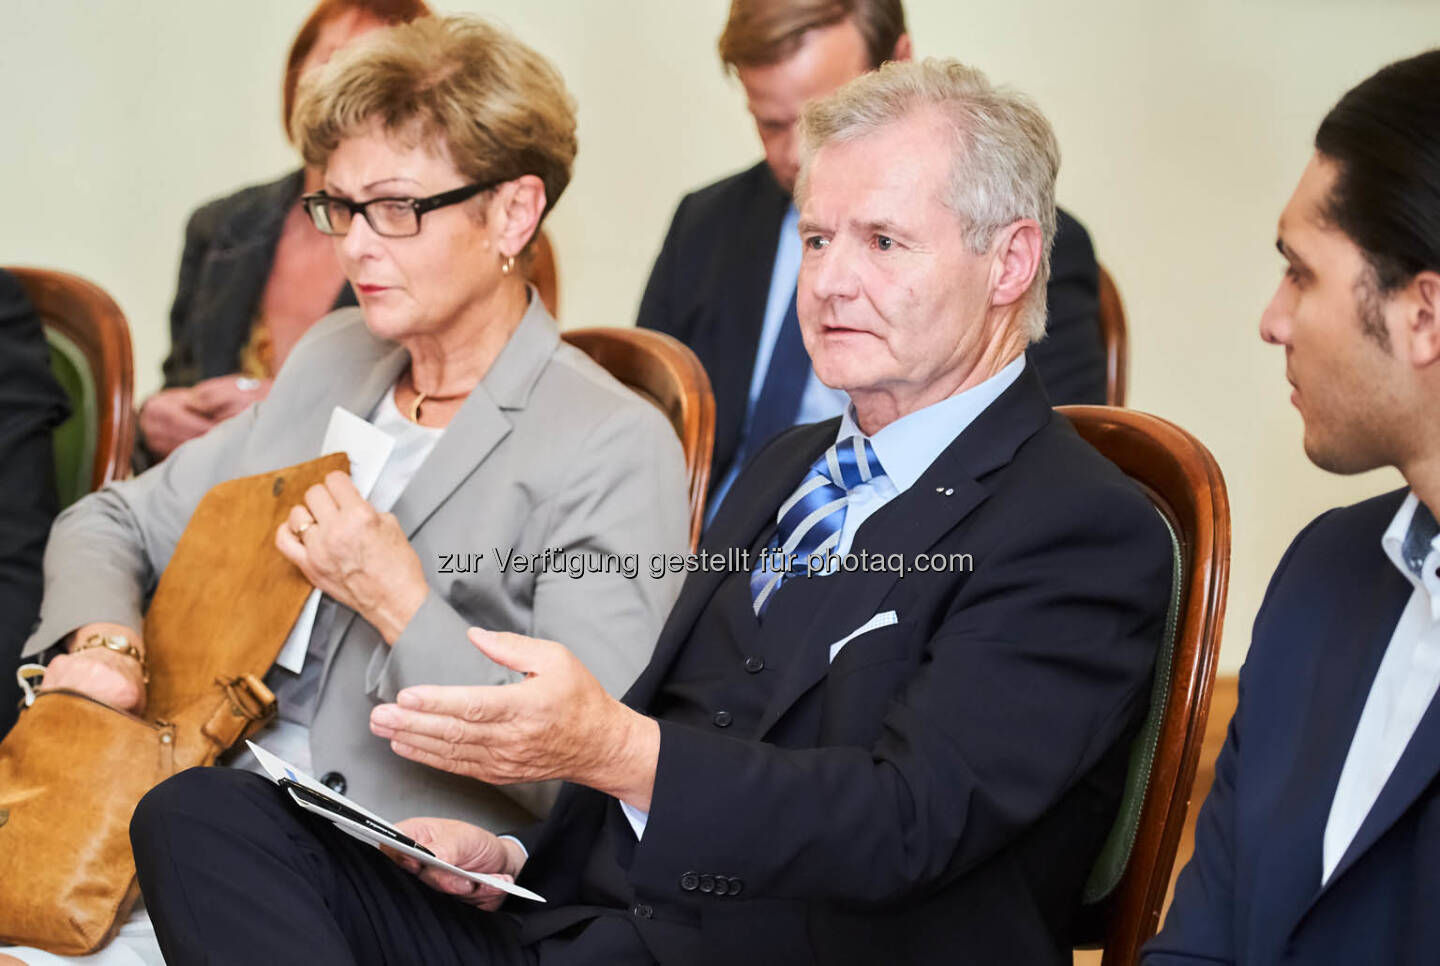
<point x="557" y="723"/>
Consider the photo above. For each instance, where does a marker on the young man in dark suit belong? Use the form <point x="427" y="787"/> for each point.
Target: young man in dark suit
<point x="906" y="746"/>
<point x="1320" y="840"/>
<point x="724" y="282"/>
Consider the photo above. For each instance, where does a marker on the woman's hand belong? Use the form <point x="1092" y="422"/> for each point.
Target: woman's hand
<point x="173" y="416"/>
<point x="98" y="672"/>
<point x="467" y="847"/>
<point x="356" y="555"/>
<point x="169" y="418"/>
<point x="224" y="396"/>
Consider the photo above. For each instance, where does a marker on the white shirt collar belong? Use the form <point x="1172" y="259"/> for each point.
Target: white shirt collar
<point x="1393" y="543"/>
<point x="908" y="446"/>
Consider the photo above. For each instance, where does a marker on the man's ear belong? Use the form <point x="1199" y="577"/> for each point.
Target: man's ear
<point x="1421" y="302"/>
<point x="520" y="204"/>
<point x="1017" y="247"/>
<point x="904" y="50"/>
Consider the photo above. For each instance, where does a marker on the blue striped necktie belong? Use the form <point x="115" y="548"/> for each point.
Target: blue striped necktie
<point x="809" y="522"/>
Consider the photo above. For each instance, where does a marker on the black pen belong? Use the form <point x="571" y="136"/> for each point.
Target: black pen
<point x="344" y="811"/>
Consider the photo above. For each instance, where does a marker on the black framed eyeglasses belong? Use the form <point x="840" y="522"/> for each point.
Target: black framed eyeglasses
<point x="391" y="217"/>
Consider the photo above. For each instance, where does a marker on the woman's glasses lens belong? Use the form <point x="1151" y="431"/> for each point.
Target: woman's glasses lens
<point x="393" y="218"/>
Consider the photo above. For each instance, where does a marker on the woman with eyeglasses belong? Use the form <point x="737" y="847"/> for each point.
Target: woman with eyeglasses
<point x="442" y="143"/>
<point x="254" y="276"/>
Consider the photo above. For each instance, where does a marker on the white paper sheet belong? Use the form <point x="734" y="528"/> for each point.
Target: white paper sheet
<point x="278" y="768"/>
<point x="368" y="449"/>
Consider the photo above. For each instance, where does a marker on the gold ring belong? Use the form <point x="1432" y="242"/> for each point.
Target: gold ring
<point x="300" y="530"/>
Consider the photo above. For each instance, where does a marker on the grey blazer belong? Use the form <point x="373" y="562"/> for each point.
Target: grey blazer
<point x="548" y="452"/>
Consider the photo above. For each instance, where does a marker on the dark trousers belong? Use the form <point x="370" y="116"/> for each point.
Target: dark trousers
<point x="233" y="872"/>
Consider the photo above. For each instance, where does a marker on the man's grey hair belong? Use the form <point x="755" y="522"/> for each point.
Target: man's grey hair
<point x="1005" y="159"/>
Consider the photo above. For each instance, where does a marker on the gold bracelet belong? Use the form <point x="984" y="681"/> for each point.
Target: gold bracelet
<point x="118" y="643"/>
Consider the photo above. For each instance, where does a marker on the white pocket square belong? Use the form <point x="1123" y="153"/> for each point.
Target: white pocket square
<point x="882" y="619"/>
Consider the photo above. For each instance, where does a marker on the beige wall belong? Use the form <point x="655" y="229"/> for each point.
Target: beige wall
<point x="1184" y="127"/>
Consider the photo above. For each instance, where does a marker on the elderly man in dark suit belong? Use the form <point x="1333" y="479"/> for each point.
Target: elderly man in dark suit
<point x="896" y="734"/>
<point x="724" y="282"/>
<point x="32" y="404"/>
<point x="1320" y="840"/>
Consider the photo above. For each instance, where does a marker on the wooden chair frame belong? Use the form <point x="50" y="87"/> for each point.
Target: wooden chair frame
<point x="88" y="317"/>
<point x="1116" y="335"/>
<point x="663" y="370"/>
<point x="1183" y="480"/>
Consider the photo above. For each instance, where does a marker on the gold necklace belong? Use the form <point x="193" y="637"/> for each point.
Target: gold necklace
<point x="421" y="397"/>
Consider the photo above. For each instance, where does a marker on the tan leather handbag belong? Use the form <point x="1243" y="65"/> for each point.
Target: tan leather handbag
<point x="73" y="768"/>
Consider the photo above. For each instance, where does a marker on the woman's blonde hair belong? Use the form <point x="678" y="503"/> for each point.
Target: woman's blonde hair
<point x="496" y="106"/>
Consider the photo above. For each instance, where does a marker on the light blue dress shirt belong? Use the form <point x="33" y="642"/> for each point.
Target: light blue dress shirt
<point x="908" y="446"/>
<point x="905" y="448"/>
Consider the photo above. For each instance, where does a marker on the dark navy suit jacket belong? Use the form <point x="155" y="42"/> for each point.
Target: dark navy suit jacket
<point x="938" y="793"/>
<point x="710" y="282"/>
<point x="1252" y="893"/>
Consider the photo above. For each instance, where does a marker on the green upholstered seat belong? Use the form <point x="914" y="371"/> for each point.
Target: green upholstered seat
<point x="1110" y="867"/>
<point x="74" y="440"/>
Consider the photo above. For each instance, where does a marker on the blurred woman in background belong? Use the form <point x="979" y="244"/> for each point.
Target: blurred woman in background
<point x="254" y="274"/>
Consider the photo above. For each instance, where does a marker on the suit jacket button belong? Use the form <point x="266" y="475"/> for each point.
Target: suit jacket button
<point x="754" y="664"/>
<point x="707" y="883"/>
<point x="722" y="885"/>
<point x="690" y="882"/>
<point x="722" y="719"/>
<point x="334" y="781"/>
<point x="735" y="886"/>
<point x="641" y="911"/>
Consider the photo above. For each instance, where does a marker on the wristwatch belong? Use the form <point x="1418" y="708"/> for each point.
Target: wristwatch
<point x="118" y="643"/>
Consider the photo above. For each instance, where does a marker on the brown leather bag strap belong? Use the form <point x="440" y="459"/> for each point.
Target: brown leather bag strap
<point x="245" y="705"/>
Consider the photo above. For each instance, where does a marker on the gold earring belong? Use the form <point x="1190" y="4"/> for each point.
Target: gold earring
<point x="507" y="266"/>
